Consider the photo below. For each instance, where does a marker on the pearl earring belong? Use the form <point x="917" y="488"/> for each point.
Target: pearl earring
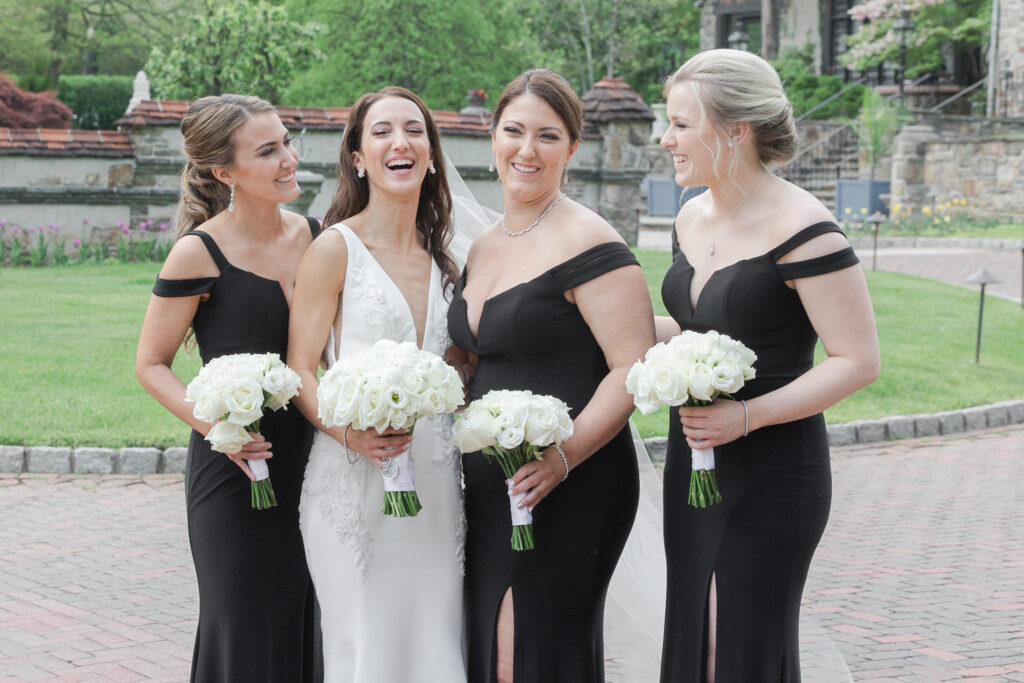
<point x="361" y="173"/>
<point x="231" y="200"/>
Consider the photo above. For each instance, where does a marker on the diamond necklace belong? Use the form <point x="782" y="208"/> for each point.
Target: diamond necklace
<point x="531" y="226"/>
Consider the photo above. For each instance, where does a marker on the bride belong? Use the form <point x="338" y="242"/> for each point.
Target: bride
<point x="390" y="589"/>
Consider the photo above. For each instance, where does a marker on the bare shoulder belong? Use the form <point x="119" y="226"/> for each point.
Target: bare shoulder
<point x="481" y="245"/>
<point x="188" y="259"/>
<point x="692" y="213"/>
<point x="298" y="226"/>
<point x="799" y="209"/>
<point x="329" y="244"/>
<point x="583" y="228"/>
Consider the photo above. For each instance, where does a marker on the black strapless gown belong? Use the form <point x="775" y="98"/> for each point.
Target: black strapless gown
<point x="776" y="483"/>
<point x="530" y="337"/>
<point x="256" y="600"/>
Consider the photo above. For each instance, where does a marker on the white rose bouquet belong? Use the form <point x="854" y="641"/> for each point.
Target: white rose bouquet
<point x="514" y="427"/>
<point x="230" y="392"/>
<point x="389" y="384"/>
<point x="692" y="369"/>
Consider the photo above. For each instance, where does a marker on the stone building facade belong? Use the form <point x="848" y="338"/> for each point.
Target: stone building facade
<point x="91" y="183"/>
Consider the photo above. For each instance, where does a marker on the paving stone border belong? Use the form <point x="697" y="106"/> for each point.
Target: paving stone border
<point x="89" y="460"/>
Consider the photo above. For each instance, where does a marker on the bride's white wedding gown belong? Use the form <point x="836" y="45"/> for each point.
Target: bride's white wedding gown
<point x="390" y="589"/>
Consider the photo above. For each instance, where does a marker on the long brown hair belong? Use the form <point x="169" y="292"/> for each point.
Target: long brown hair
<point x="434" y="213"/>
<point x="209" y="128"/>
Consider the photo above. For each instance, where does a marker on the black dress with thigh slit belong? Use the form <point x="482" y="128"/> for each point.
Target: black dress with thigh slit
<point x="256" y="600"/>
<point x="776" y="483"/>
<point x="530" y="337"/>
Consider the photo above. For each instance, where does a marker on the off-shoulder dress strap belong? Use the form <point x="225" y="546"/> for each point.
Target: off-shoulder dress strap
<point x="314" y="226"/>
<point x="593" y="263"/>
<point x="195" y="285"/>
<point x="819" y="265"/>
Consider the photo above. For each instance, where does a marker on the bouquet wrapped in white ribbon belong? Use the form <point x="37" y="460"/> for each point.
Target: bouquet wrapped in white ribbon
<point x="692" y="369"/>
<point x="514" y="427"/>
<point x="230" y="392"/>
<point x="389" y="384"/>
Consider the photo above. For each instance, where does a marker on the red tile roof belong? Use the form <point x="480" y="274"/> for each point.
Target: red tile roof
<point x="611" y="99"/>
<point x="170" y="113"/>
<point x="64" y="142"/>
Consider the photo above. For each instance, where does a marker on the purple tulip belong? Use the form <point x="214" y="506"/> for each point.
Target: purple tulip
<point x="3" y="223"/>
<point x="85" y="221"/>
<point x="54" y="227"/>
<point x="15" y="230"/>
<point x="77" y="243"/>
<point x="163" y="226"/>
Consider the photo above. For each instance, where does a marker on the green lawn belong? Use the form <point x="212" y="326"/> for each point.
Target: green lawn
<point x="68" y="347"/>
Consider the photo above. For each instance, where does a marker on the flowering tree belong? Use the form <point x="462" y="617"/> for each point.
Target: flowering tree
<point x="964" y="24"/>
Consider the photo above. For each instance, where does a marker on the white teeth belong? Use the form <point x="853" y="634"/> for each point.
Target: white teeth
<point x="524" y="169"/>
<point x="400" y="163"/>
<point x="287" y="178"/>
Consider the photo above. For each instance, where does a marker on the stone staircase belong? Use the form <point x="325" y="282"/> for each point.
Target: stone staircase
<point x="831" y="153"/>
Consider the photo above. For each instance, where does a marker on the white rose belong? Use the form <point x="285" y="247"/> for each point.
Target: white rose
<point x="227" y="437"/>
<point x="542" y="428"/>
<point x="208" y="407"/>
<point x="670" y="386"/>
<point x="244" y="401"/>
<point x="473" y="430"/>
<point x="372" y="411"/>
<point x="699" y="380"/>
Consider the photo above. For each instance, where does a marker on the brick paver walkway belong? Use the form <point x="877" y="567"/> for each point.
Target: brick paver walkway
<point x="920" y="575"/>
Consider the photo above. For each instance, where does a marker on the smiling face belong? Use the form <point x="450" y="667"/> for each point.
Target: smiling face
<point x="394" y="146"/>
<point x="695" y="144"/>
<point x="531" y="147"/>
<point x="265" y="161"/>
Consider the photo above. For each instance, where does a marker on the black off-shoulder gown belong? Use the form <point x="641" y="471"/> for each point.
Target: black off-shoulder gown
<point x="776" y="483"/>
<point x="256" y="600"/>
<point x="530" y="337"/>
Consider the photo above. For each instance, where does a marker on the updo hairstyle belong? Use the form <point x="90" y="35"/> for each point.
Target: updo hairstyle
<point x="209" y="128"/>
<point x="733" y="86"/>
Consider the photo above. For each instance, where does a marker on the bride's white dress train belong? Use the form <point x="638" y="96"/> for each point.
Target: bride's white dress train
<point x="390" y="589"/>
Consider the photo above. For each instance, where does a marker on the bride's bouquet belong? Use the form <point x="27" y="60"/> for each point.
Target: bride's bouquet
<point x="514" y="427"/>
<point x="692" y="369"/>
<point x="230" y="392"/>
<point x="389" y="384"/>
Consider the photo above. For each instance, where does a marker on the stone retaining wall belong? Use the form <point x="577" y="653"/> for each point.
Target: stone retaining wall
<point x="60" y="460"/>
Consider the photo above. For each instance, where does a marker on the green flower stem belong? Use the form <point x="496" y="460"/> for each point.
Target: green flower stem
<point x="510" y="460"/>
<point x="522" y="537"/>
<point x="401" y="504"/>
<point x="262" y="493"/>
<point x="703" y="489"/>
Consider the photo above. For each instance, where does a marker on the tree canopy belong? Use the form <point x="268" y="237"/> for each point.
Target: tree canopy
<point x="246" y="47"/>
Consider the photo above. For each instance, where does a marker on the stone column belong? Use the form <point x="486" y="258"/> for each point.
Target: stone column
<point x="909" y="186"/>
<point x="623" y="121"/>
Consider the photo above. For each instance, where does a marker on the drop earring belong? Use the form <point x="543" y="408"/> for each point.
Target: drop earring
<point x="490" y="169"/>
<point x="231" y="199"/>
<point x="361" y="173"/>
<point x="565" y="175"/>
<point x="432" y="169"/>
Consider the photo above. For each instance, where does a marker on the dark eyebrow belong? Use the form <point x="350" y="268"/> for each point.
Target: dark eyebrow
<point x="273" y="142"/>
<point x="388" y="123"/>
<point x="554" y="128"/>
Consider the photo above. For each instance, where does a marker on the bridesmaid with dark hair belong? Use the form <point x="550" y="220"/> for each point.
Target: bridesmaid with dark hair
<point x="551" y="300"/>
<point x="229" y="278"/>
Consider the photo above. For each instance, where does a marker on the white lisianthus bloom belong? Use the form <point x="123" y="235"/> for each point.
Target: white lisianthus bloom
<point x="511" y="436"/>
<point x="283" y="384"/>
<point x="227" y="437"/>
<point x="727" y="377"/>
<point x="244" y="401"/>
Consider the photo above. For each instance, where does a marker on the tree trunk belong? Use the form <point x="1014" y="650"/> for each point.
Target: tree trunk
<point x="769" y="29"/>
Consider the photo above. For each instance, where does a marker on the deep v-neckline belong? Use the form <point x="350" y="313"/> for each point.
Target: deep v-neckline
<point x="694" y="304"/>
<point x="401" y="295"/>
<point x="483" y="307"/>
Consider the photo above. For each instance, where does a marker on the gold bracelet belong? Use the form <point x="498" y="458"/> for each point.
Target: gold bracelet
<point x="564" y="461"/>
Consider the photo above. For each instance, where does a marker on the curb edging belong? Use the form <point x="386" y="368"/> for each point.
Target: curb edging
<point x="133" y="460"/>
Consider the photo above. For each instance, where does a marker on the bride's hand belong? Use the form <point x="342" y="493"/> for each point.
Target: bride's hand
<point x="257" y="449"/>
<point x="539" y="477"/>
<point x="377" y="446"/>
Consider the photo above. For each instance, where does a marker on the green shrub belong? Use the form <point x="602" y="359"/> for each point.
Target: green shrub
<point x="806" y="89"/>
<point x="98" y="101"/>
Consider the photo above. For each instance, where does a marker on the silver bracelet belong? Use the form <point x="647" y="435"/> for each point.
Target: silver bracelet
<point x="344" y="442"/>
<point x="564" y="461"/>
<point x="746" y="418"/>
